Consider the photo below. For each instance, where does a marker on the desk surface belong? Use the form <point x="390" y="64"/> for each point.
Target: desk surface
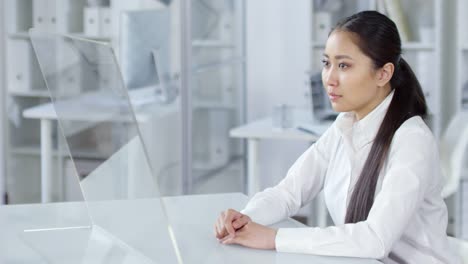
<point x="263" y="129"/>
<point x="138" y="223"/>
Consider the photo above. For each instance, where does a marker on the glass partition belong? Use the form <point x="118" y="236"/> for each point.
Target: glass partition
<point x="102" y="111"/>
<point x="100" y="117"/>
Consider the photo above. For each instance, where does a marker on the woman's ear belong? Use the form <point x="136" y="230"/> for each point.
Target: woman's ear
<point x="384" y="74"/>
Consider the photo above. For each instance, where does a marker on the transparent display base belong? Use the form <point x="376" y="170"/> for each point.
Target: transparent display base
<point x="78" y="245"/>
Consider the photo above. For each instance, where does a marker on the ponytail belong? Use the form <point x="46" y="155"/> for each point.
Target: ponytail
<point x="408" y="101"/>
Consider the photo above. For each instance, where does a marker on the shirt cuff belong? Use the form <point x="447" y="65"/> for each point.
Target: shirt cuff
<point x="250" y="213"/>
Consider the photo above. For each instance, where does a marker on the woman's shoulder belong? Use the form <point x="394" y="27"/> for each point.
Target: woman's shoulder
<point x="415" y="131"/>
<point x="415" y="124"/>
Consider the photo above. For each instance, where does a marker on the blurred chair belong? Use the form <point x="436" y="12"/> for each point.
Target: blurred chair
<point x="461" y="247"/>
<point x="453" y="146"/>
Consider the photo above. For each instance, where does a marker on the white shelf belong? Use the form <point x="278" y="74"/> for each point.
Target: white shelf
<point x="213" y="105"/>
<point x="25" y="35"/>
<point x="19" y="35"/>
<point x="217" y="65"/>
<point x="417" y="46"/>
<point x="35" y="149"/>
<point x="24" y="142"/>
<point x="32" y="149"/>
<point x="97" y="38"/>
<point x="44" y="94"/>
<point x="198" y="43"/>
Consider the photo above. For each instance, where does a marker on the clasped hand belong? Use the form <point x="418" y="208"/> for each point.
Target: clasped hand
<point x="233" y="227"/>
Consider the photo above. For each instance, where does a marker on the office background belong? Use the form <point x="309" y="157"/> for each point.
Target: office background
<point x="233" y="62"/>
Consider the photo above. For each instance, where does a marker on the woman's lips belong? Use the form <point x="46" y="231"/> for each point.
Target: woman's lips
<point x="334" y="97"/>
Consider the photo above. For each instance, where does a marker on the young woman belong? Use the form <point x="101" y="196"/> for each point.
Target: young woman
<point x="378" y="163"/>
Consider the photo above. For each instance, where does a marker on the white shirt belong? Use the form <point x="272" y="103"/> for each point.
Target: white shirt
<point x="407" y="222"/>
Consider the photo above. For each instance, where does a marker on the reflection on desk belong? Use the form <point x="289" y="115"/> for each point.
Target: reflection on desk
<point x="141" y="226"/>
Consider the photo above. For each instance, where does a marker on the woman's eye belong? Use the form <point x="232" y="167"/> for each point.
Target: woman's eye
<point x="325" y="63"/>
<point x="343" y="65"/>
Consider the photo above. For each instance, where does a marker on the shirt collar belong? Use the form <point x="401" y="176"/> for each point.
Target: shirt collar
<point x="366" y="128"/>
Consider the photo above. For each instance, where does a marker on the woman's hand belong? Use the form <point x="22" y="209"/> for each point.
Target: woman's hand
<point x="253" y="235"/>
<point x="228" y="222"/>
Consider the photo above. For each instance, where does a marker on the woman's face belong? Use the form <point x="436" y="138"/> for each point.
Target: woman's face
<point x="349" y="77"/>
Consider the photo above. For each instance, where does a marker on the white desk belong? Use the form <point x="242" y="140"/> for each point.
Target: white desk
<point x="263" y="129"/>
<point x="140" y="225"/>
<point x="80" y="110"/>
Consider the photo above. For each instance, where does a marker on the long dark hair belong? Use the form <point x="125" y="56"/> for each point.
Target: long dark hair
<point x="377" y="37"/>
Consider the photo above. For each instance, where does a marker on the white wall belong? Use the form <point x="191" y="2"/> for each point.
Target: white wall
<point x="278" y="56"/>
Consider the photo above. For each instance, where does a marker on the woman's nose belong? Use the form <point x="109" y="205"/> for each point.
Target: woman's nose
<point x="329" y="77"/>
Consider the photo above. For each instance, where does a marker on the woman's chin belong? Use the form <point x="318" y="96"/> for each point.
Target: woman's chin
<point x="338" y="108"/>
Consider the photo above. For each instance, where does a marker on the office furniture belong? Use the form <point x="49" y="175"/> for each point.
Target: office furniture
<point x="453" y="156"/>
<point x="264" y="129"/>
<point x="460" y="247"/>
<point x="453" y="148"/>
<point x="58" y="16"/>
<point x="214" y="82"/>
<point x="97" y="21"/>
<point x="141" y="226"/>
<point x="261" y="129"/>
<point x="76" y="112"/>
<point x="25" y="87"/>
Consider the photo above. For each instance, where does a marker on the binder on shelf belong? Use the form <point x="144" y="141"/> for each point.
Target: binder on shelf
<point x="105" y="22"/>
<point x="40" y="14"/>
<point x="91" y="21"/>
<point x="68" y="15"/>
<point x="19" y="16"/>
<point x="23" y="73"/>
<point x="63" y="16"/>
<point x="97" y="21"/>
<point x="322" y="26"/>
<point x="396" y="13"/>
